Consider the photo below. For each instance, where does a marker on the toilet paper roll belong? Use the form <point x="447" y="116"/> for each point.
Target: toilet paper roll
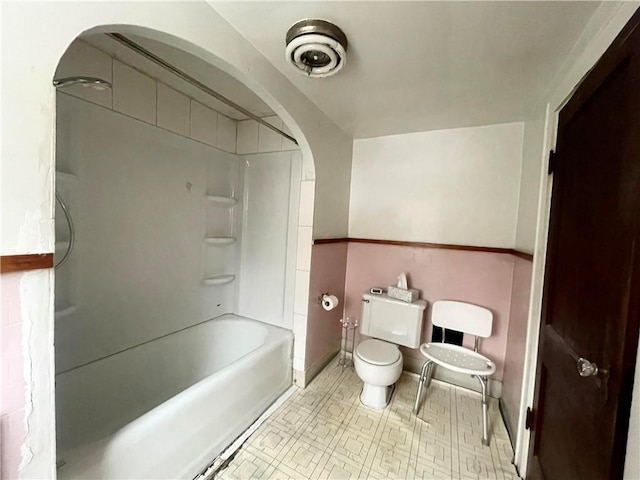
<point x="329" y="302"/>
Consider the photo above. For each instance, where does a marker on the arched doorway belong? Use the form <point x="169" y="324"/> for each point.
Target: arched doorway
<point x="173" y="209"/>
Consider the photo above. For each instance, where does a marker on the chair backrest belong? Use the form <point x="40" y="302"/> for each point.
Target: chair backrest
<point x="463" y="317"/>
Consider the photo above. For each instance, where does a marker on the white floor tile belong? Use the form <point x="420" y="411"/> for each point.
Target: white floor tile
<point x="324" y="432"/>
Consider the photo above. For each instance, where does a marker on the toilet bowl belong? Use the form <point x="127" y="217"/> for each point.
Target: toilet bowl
<point x="379" y="366"/>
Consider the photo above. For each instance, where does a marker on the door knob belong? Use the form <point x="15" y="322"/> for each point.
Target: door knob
<point x="587" y="368"/>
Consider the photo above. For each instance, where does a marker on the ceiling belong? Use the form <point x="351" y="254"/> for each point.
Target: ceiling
<point x="418" y="66"/>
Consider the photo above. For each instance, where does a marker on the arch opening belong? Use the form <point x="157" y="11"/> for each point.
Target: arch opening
<point x="183" y="212"/>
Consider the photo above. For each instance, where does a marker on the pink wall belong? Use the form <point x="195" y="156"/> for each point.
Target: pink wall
<point x="476" y="277"/>
<point x="12" y="393"/>
<point x="516" y="340"/>
<point x="328" y="268"/>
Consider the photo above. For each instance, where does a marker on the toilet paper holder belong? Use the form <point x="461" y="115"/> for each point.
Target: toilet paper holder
<point x="328" y="301"/>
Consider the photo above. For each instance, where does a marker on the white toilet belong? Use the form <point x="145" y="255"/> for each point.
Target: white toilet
<point x="378" y="361"/>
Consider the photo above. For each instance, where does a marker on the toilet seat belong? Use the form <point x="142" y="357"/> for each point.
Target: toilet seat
<point x="377" y="352"/>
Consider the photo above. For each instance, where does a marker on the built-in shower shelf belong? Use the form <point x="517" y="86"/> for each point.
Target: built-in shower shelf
<point x="222" y="201"/>
<point x="220" y="241"/>
<point x="65" y="311"/>
<point x="219" y="280"/>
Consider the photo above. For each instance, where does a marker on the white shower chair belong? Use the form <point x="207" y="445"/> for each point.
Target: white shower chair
<point x="465" y="318"/>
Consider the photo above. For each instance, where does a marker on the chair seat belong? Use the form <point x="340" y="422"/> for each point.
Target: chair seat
<point x="459" y="359"/>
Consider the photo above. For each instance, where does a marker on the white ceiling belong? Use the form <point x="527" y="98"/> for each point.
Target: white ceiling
<point x="418" y="66"/>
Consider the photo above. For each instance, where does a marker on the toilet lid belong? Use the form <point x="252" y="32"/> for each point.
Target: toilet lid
<point x="378" y="352"/>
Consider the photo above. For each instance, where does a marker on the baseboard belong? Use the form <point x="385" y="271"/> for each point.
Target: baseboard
<point x="504" y="411"/>
<point x="302" y="379"/>
<point x="494" y="387"/>
<point x="411" y="364"/>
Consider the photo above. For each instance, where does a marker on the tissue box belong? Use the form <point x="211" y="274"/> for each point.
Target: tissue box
<point x="408" y="296"/>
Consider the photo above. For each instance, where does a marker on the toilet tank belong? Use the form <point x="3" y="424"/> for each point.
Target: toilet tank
<point x="392" y="320"/>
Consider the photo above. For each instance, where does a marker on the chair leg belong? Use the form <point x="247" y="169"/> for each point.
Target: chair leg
<point x="485" y="428"/>
<point x="430" y="374"/>
<point x="423" y="377"/>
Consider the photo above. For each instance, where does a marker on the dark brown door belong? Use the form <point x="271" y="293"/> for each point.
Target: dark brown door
<point x="592" y="283"/>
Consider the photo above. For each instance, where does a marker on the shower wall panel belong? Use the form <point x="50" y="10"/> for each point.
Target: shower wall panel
<point x="141" y="216"/>
<point x="269" y="236"/>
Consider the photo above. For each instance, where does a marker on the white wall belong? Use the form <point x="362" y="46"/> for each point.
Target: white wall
<point x="34" y="37"/>
<point x="457" y="186"/>
<point x="529" y="184"/>
<point x="332" y="191"/>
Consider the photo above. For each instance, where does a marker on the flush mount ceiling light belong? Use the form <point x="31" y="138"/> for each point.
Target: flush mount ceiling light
<point x="316" y="48"/>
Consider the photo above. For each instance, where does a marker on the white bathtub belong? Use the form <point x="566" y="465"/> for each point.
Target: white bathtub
<point x="167" y="408"/>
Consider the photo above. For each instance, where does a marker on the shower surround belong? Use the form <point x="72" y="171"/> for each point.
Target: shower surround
<point x="173" y="229"/>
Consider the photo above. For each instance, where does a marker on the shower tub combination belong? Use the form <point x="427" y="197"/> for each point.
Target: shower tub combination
<point x="167" y="408"/>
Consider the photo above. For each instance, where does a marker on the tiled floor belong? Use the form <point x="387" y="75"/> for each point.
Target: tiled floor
<point x="324" y="432"/>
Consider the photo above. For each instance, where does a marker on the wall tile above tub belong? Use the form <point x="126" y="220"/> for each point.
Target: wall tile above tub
<point x="173" y="110"/>
<point x="301" y="295"/>
<point x="204" y="124"/>
<point x="137" y="95"/>
<point x="298" y="366"/>
<point x="300" y="335"/>
<point x="134" y="93"/>
<point x="83" y="59"/>
<point x="256" y="138"/>
<point x="247" y="137"/>
<point x="227" y="134"/>
<point x="268" y="140"/>
<point x="307" y="194"/>
<point x="305" y="243"/>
